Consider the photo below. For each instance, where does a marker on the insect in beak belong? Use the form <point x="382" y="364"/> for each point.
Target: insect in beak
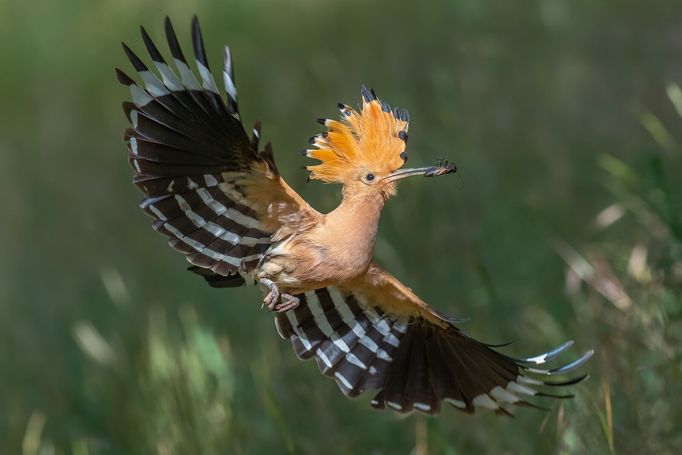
<point x="443" y="167"/>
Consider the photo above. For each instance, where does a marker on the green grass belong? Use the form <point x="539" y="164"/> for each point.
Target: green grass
<point x="566" y="223"/>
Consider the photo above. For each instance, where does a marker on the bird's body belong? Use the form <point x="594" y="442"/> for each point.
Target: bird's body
<point x="222" y="202"/>
<point x="319" y="256"/>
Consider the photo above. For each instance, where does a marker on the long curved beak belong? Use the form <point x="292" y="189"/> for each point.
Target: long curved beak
<point x="442" y="168"/>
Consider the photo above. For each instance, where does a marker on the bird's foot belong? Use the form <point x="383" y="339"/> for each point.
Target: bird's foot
<point x="289" y="302"/>
<point x="272" y="300"/>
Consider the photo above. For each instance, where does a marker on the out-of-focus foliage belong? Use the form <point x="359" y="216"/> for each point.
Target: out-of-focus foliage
<point x="566" y="223"/>
<point x="170" y="393"/>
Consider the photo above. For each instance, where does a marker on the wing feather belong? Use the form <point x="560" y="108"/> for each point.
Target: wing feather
<point x="220" y="201"/>
<point x="376" y="334"/>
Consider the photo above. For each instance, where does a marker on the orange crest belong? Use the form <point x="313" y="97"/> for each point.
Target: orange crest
<point x="372" y="140"/>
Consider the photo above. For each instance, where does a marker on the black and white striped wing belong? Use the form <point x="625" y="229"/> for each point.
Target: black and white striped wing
<point x="352" y="344"/>
<point x="190" y="154"/>
<point x="411" y="362"/>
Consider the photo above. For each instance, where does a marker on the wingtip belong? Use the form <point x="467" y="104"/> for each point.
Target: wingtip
<point x="547" y="356"/>
<point x="196" y="28"/>
<point x="568" y="382"/>
<point x="151" y="47"/>
<point x="168" y="25"/>
<point x="145" y="35"/>
<point x="123" y="78"/>
<point x="134" y="59"/>
<point x="126" y="49"/>
<point x="198" y="42"/>
<point x="227" y="59"/>
<point x="173" y="42"/>
<point x="580" y="361"/>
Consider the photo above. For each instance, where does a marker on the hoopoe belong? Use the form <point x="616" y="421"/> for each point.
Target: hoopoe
<point x="222" y="203"/>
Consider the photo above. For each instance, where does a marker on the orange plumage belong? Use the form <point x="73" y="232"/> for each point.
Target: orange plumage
<point x="369" y="140"/>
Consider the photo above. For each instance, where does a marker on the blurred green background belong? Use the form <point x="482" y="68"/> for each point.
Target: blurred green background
<point x="565" y="223"/>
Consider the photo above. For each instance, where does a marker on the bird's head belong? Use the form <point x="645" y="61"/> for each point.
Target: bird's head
<point x="365" y="150"/>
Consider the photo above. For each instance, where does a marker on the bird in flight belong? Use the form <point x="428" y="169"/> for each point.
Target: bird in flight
<point x="221" y="201"/>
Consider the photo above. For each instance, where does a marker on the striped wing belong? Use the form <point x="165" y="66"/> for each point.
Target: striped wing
<point x="411" y="359"/>
<point x="205" y="182"/>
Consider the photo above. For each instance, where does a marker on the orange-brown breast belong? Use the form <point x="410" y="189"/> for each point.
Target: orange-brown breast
<point x="337" y="249"/>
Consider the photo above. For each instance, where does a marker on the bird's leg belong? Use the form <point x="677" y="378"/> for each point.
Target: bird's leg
<point x="271" y="301"/>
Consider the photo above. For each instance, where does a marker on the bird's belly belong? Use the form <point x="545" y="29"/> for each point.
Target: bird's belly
<point x="288" y="278"/>
<point x="297" y="268"/>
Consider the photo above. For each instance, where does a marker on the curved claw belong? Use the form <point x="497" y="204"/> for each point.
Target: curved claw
<point x="289" y="302"/>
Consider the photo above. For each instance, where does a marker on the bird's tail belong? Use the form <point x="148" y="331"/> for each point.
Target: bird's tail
<point x="414" y="363"/>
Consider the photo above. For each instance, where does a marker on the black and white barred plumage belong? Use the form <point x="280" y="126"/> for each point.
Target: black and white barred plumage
<point x="411" y="363"/>
<point x="185" y="144"/>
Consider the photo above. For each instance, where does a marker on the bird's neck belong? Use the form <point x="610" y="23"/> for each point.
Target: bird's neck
<point x="355" y="221"/>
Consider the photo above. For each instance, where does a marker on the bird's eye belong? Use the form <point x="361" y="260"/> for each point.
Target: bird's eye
<point x="369" y="177"/>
